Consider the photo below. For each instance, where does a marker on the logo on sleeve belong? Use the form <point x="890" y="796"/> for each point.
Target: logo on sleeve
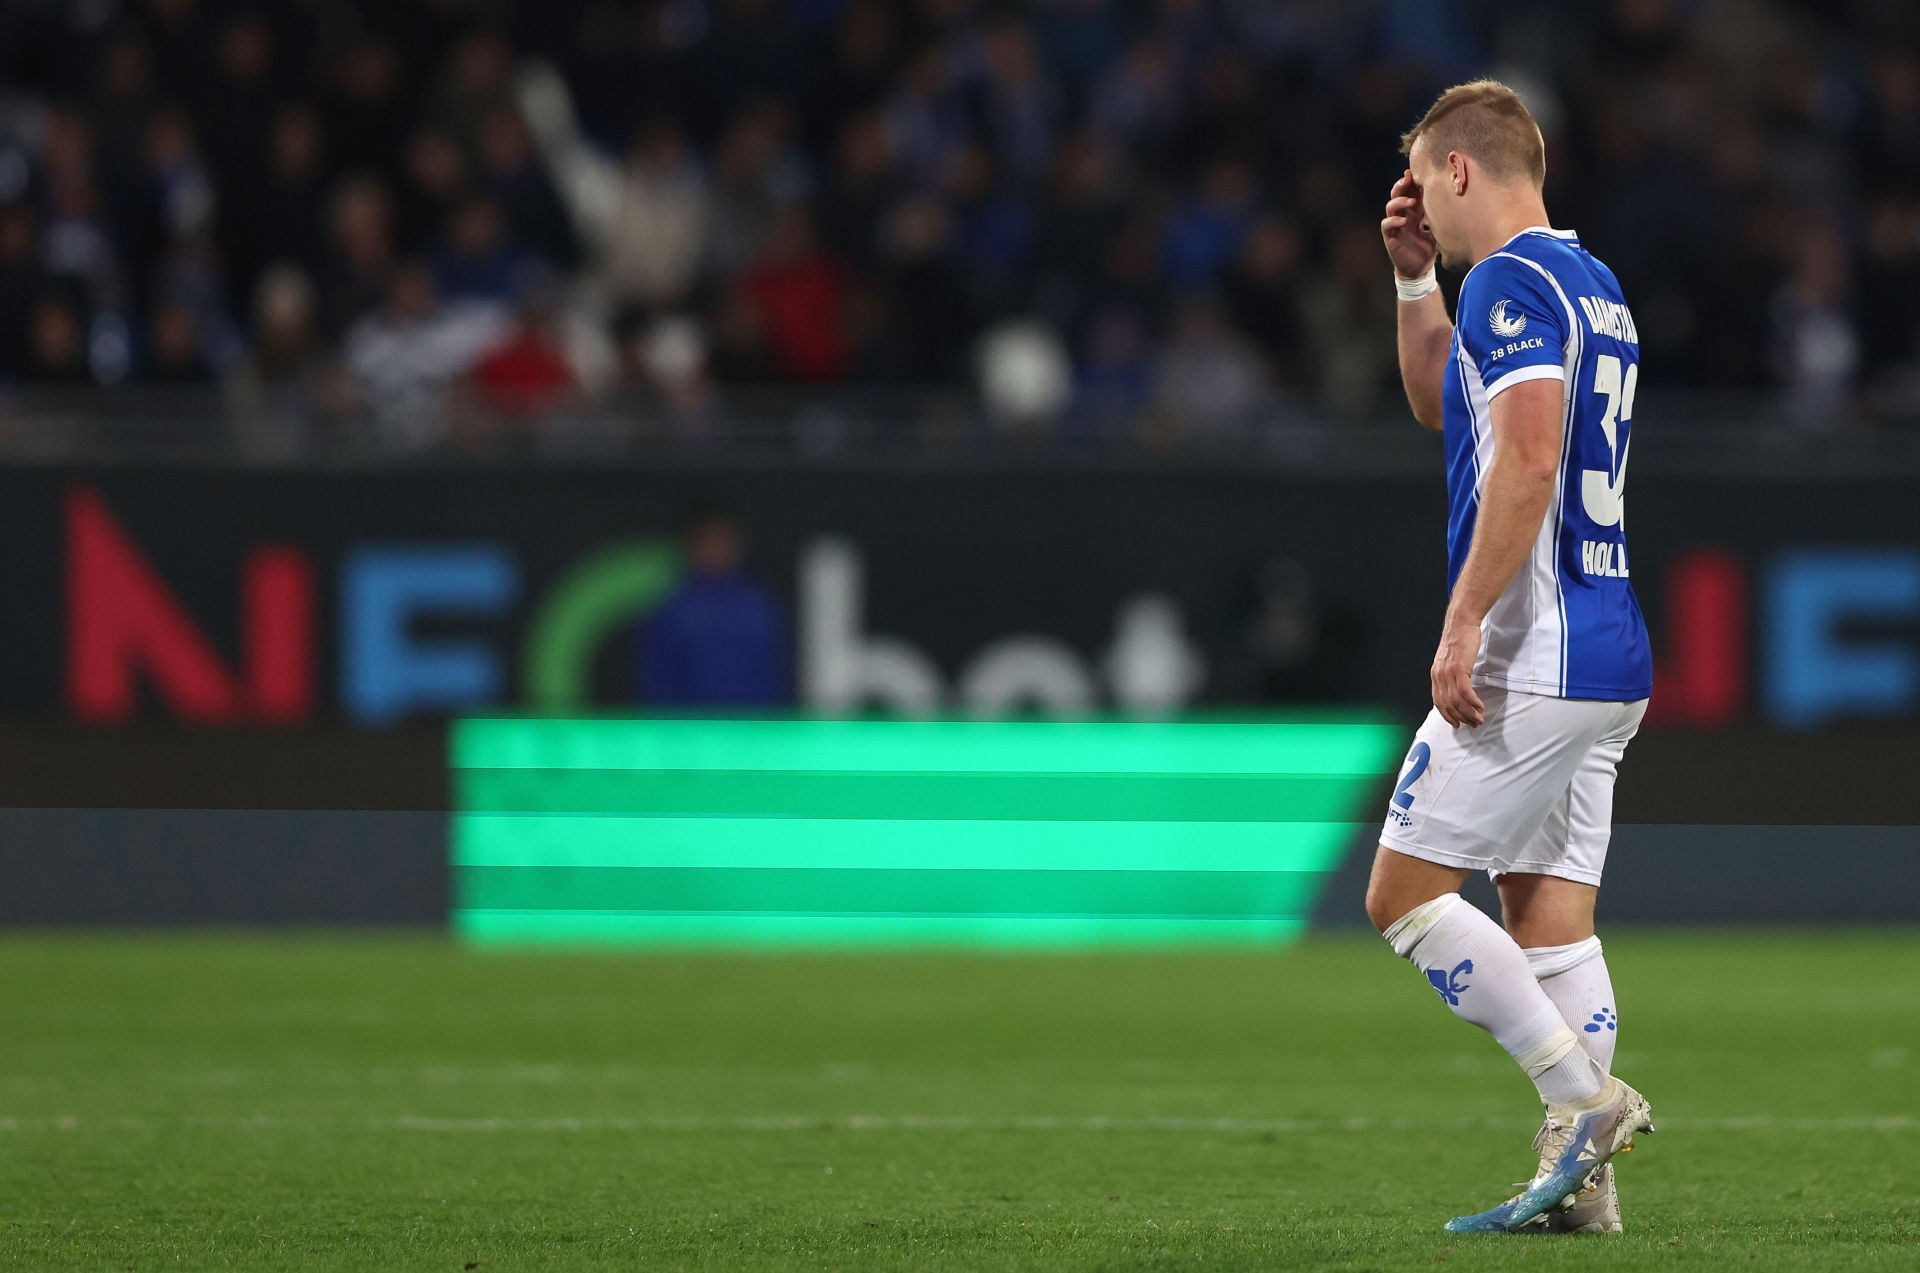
<point x="1504" y="327"/>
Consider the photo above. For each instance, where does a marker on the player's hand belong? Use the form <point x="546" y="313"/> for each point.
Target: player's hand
<point x="1453" y="694"/>
<point x="1410" y="244"/>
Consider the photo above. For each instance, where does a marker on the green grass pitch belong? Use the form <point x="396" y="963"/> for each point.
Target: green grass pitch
<point x="359" y="1102"/>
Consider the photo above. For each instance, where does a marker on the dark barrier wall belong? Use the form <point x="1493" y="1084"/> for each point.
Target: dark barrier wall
<point x="231" y="596"/>
<point x="159" y="823"/>
<point x="332" y="867"/>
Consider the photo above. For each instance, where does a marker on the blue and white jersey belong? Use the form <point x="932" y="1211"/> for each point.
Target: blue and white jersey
<point x="1539" y="308"/>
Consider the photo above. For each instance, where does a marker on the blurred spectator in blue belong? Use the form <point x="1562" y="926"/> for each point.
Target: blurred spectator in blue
<point x="1019" y="109"/>
<point x="1207" y="231"/>
<point x="925" y="118"/>
<point x="720" y="638"/>
<point x="513" y="176"/>
<point x="477" y="262"/>
<point x="995" y="226"/>
<point x="1139" y="101"/>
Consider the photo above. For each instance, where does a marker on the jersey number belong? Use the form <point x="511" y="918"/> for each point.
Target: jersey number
<point x="1417" y="761"/>
<point x="1604" y="494"/>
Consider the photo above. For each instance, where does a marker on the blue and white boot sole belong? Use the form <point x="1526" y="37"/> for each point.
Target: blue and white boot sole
<point x="1569" y="1175"/>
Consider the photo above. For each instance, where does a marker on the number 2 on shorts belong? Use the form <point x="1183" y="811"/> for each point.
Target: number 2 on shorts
<point x="1417" y="761"/>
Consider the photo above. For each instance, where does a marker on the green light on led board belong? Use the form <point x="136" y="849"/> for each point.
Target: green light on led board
<point x="795" y="832"/>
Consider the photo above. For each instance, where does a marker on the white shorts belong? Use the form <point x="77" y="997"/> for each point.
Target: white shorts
<point x="1530" y="791"/>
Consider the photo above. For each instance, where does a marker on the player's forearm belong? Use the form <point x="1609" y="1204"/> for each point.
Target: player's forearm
<point x="1513" y="504"/>
<point x="1426" y="335"/>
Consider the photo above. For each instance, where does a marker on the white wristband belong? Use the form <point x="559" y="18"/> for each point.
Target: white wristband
<point x="1412" y="289"/>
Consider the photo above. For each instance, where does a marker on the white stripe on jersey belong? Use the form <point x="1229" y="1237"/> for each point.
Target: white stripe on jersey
<point x="1576" y="348"/>
<point x="1516" y="637"/>
<point x="1519" y="625"/>
<point x="1520" y="375"/>
<point x="1477" y="419"/>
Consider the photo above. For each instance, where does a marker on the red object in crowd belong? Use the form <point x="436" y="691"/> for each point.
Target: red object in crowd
<point x="800" y="303"/>
<point x="526" y="376"/>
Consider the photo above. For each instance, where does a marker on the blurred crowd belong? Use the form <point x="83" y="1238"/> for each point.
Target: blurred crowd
<point x="454" y="216"/>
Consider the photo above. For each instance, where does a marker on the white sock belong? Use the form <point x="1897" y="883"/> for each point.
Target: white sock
<point x="1575" y="977"/>
<point x="1482" y="974"/>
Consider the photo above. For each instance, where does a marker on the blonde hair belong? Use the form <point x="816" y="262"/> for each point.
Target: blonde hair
<point x="1487" y="121"/>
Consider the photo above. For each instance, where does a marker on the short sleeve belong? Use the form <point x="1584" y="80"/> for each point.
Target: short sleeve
<point x="1512" y="323"/>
